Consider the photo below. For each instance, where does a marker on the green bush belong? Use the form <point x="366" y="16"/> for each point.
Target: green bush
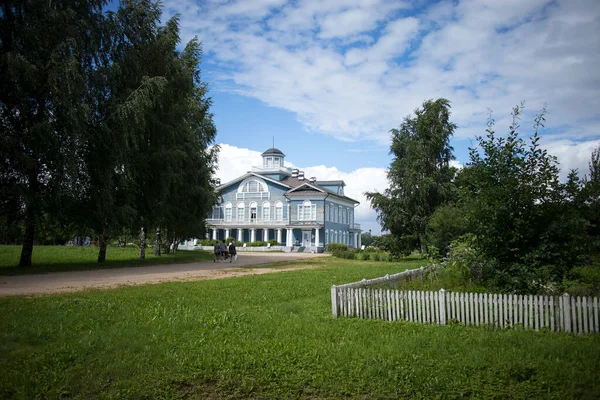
<point x="370" y="249"/>
<point x="274" y="242"/>
<point x="332" y="247"/>
<point x="258" y="243"/>
<point x="345" y="254"/>
<point x="208" y="242"/>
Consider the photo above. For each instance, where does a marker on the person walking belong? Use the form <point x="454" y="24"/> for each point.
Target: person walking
<point x="232" y="253"/>
<point x="223" y="247"/>
<point x="217" y="250"/>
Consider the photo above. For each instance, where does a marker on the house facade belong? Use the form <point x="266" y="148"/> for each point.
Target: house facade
<point x="273" y="202"/>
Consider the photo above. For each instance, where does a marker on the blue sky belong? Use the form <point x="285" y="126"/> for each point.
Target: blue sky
<point x="328" y="79"/>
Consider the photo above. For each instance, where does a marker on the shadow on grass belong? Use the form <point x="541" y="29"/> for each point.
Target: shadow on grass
<point x="63" y="265"/>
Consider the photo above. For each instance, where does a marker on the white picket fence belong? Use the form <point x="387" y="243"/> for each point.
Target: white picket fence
<point x="562" y="314"/>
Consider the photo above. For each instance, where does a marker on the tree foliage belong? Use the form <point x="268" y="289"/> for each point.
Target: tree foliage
<point x="420" y="175"/>
<point x="517" y="208"/>
<point x="108" y="124"/>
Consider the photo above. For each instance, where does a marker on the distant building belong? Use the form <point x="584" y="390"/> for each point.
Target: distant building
<point x="276" y="202"/>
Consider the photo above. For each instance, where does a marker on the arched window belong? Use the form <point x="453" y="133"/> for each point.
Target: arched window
<point x="240" y="211"/>
<point x="253" y="207"/>
<point x="307" y="211"/>
<point x="253" y="188"/>
<point x="279" y="211"/>
<point x="266" y="211"/>
<point x="228" y="209"/>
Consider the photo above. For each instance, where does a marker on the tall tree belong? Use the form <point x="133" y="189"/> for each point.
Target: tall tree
<point x="46" y="50"/>
<point x="525" y="223"/>
<point x="174" y="160"/>
<point x="122" y="94"/>
<point x="420" y="175"/>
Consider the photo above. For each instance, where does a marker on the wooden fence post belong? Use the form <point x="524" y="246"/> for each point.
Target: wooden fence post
<point x="442" y="307"/>
<point x="567" y="311"/>
<point x="334" y="307"/>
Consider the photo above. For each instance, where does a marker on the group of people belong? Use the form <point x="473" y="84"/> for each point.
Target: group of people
<point x="222" y="252"/>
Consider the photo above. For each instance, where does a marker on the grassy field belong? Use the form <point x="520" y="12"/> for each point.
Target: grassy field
<point x="70" y="258"/>
<point x="272" y="336"/>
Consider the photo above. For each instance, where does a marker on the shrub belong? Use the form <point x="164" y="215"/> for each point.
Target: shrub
<point x="274" y="242"/>
<point x="208" y="242"/>
<point x="345" y="254"/>
<point x="332" y="247"/>
<point x="258" y="243"/>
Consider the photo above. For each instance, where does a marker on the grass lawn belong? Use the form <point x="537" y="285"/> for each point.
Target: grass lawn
<point x="272" y="336"/>
<point x="70" y="258"/>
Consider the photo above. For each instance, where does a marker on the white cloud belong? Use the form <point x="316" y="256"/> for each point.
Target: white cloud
<point x="235" y="161"/>
<point x="478" y="53"/>
<point x="571" y="154"/>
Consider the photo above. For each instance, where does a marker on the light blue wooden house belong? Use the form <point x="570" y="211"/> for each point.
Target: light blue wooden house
<point x="276" y="202"/>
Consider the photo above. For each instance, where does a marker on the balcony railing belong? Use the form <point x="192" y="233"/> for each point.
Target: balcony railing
<point x="249" y="221"/>
<point x="272" y="169"/>
<point x="253" y="195"/>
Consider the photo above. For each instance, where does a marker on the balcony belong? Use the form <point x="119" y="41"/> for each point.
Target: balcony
<point x="264" y="170"/>
<point x="355" y="227"/>
<point x="253" y="195"/>
<point x="220" y="222"/>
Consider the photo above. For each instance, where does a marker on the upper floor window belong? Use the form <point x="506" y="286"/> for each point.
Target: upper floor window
<point x="240" y="211"/>
<point x="253" y="209"/>
<point x="326" y="212"/>
<point x="266" y="211"/>
<point x="253" y="186"/>
<point x="307" y="211"/>
<point x="228" y="212"/>
<point x="279" y="211"/>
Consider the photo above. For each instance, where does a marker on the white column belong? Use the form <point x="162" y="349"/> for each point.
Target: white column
<point x="279" y="235"/>
<point x="252" y="235"/>
<point x="240" y="233"/>
<point x="214" y="234"/>
<point x="265" y="234"/>
<point x="226" y="233"/>
<point x="288" y="241"/>
<point x="317" y="237"/>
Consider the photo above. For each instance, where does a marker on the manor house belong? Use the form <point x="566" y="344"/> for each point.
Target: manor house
<point x="276" y="202"/>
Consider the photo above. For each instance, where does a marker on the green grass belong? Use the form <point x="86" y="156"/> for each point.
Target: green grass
<point x="272" y="336"/>
<point x="70" y="258"/>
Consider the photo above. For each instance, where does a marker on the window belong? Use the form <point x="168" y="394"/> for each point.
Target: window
<point x="266" y="211"/>
<point x="339" y="213"/>
<point x="307" y="211"/>
<point x="326" y="212"/>
<point x="253" y="187"/>
<point x="240" y="211"/>
<point x="344" y="217"/>
<point x="279" y="211"/>
<point x="253" y="211"/>
<point x="326" y="236"/>
<point x="228" y="212"/>
<point x="276" y="162"/>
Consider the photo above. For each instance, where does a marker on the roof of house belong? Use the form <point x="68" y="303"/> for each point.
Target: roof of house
<point x="330" y="183"/>
<point x="273" y="150"/>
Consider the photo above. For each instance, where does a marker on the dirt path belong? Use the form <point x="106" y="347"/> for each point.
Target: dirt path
<point x="72" y="281"/>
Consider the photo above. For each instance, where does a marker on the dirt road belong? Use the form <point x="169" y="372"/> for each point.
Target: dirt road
<point x="72" y="281"/>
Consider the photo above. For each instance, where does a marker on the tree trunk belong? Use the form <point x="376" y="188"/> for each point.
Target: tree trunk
<point x="27" y="249"/>
<point x="103" y="239"/>
<point x="143" y="243"/>
<point x="157" y="243"/>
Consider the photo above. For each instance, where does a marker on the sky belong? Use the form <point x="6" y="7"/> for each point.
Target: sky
<point x="327" y="80"/>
